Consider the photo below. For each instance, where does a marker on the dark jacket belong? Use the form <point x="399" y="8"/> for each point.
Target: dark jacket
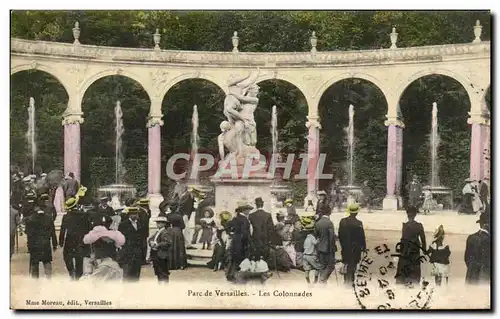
<point x="239" y="226"/>
<point x="323" y="207"/>
<point x="176" y="220"/>
<point x="144" y="217"/>
<point x="186" y="205"/>
<point x="164" y="241"/>
<point x="478" y="258"/>
<point x="352" y="239"/>
<point x="75" y="224"/>
<point x="40" y="232"/>
<point x="133" y="241"/>
<point x="263" y="229"/>
<point x="325" y="234"/>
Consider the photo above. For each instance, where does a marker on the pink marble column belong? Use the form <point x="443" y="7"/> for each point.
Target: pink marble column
<point x="477" y="156"/>
<point x="154" y="159"/>
<point x="394" y="163"/>
<point x="72" y="148"/>
<point x="399" y="160"/>
<point x="313" y="156"/>
<point x="392" y="158"/>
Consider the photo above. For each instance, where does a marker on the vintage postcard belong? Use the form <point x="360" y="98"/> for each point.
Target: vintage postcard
<point x="250" y="160"/>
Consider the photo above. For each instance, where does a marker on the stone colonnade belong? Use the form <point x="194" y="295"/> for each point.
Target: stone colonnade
<point x="479" y="152"/>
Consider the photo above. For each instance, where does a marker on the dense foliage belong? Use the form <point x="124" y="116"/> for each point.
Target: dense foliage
<point x="258" y="31"/>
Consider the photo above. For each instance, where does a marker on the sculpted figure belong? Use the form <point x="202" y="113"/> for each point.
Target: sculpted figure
<point x="239" y="133"/>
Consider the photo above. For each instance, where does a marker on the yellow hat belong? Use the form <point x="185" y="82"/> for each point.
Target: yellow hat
<point x="353" y="208"/>
<point x="307" y="222"/>
<point x="131" y="210"/>
<point x="225" y="216"/>
<point x="81" y="191"/>
<point x="143" y="201"/>
<point x="288" y="201"/>
<point x="70" y="203"/>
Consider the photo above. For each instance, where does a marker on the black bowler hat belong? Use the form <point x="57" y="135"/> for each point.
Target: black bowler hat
<point x="259" y="200"/>
<point x="484" y="218"/>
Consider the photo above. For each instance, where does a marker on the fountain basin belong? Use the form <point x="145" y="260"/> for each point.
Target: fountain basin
<point x="118" y="193"/>
<point x="444" y="195"/>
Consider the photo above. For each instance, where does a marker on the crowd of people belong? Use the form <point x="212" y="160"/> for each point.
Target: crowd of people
<point x="103" y="243"/>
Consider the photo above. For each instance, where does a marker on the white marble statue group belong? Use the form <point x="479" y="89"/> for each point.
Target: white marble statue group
<point x="239" y="132"/>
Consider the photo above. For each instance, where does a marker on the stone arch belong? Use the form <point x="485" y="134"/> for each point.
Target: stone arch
<point x="351" y="75"/>
<point x="110" y="72"/>
<point x="284" y="78"/>
<point x="432" y="71"/>
<point x="190" y="76"/>
<point x="40" y="67"/>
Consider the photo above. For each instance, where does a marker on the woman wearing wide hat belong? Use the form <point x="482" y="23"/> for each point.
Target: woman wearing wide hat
<point x="178" y="257"/>
<point x="104" y="244"/>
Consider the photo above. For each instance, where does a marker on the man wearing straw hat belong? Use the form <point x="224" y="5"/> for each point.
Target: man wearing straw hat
<point x="160" y="244"/>
<point x="75" y="224"/>
<point x="131" y="255"/>
<point x="144" y="217"/>
<point x="352" y="242"/>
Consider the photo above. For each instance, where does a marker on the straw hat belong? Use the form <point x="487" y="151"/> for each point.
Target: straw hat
<point x="288" y="201"/>
<point x="321" y="192"/>
<point x="353" y="208"/>
<point x="70" y="203"/>
<point x="243" y="205"/>
<point x="143" y="201"/>
<point x="131" y="210"/>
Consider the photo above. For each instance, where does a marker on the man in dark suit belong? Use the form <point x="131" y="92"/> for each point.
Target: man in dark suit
<point x="263" y="228"/>
<point x="131" y="255"/>
<point x="40" y="232"/>
<point x="75" y="224"/>
<point x="239" y="230"/>
<point x="144" y="217"/>
<point x="323" y="205"/>
<point x="477" y="253"/>
<point x="352" y="242"/>
<point x="325" y="235"/>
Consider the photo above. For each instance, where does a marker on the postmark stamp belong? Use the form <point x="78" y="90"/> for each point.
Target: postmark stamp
<point x="375" y="285"/>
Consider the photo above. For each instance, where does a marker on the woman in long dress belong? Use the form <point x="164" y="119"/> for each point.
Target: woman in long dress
<point x="178" y="257"/>
<point x="409" y="249"/>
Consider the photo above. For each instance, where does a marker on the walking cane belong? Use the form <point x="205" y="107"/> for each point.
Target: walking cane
<point x="16" y="239"/>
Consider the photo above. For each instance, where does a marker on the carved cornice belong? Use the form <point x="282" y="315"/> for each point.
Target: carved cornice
<point x="394" y="121"/>
<point x="115" y="54"/>
<point x="72" y="118"/>
<point x="154" y="120"/>
<point x="479" y="118"/>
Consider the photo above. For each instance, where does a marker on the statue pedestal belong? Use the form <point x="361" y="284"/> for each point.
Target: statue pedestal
<point x="229" y="191"/>
<point x="154" y="203"/>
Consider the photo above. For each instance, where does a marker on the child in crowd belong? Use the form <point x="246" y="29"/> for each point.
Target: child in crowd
<point x="439" y="256"/>
<point x="207" y="224"/>
<point x="310" y="260"/>
<point x="429" y="202"/>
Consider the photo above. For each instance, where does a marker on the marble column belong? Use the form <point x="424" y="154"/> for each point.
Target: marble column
<point x="72" y="152"/>
<point x="154" y="163"/>
<point x="478" y="145"/>
<point x="395" y="127"/>
<point x="313" y="126"/>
